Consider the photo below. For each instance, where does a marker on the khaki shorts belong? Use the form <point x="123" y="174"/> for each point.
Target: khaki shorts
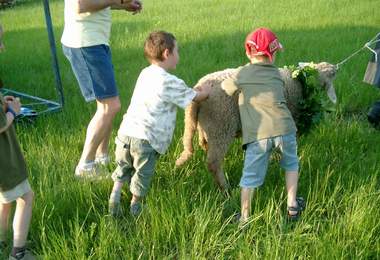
<point x="136" y="160"/>
<point x="15" y="193"/>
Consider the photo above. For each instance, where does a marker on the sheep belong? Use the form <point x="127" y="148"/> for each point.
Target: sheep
<point x="218" y="121"/>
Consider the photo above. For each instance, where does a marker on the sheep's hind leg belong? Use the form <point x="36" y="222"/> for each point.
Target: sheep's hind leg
<point x="202" y="140"/>
<point x="215" y="156"/>
<point x="191" y="120"/>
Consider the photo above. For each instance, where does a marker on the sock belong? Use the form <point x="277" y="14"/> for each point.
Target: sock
<point x="18" y="252"/>
<point x="103" y="156"/>
<point x="115" y="196"/>
<point x="87" y="164"/>
<point x="116" y="192"/>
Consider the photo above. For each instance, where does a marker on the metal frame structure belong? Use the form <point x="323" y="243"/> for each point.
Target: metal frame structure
<point x="35" y="106"/>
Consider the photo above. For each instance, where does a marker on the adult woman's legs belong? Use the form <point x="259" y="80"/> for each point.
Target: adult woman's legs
<point x="99" y="129"/>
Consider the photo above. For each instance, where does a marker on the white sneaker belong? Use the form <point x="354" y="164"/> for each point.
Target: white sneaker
<point x="87" y="170"/>
<point x="103" y="159"/>
<point x="135" y="209"/>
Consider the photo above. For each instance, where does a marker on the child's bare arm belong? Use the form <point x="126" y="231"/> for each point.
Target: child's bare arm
<point x="229" y="86"/>
<point x="202" y="92"/>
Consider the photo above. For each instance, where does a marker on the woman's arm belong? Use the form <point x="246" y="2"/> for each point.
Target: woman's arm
<point x="84" y="6"/>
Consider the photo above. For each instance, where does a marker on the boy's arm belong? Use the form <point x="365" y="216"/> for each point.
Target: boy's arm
<point x="84" y="6"/>
<point x="202" y="92"/>
<point x="229" y="86"/>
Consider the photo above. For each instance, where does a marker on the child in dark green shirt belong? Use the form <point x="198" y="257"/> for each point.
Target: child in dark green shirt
<point x="14" y="185"/>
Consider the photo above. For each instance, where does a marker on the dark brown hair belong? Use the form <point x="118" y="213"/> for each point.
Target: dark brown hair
<point x="156" y="43"/>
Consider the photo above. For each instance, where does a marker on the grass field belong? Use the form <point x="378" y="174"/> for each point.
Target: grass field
<point x="186" y="217"/>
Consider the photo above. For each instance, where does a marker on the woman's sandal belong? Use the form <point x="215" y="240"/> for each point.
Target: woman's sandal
<point x="300" y="207"/>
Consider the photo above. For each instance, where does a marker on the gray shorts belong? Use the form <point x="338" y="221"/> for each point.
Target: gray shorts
<point x="135" y="160"/>
<point x="257" y="157"/>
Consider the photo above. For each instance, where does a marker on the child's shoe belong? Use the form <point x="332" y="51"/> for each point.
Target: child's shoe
<point x="24" y="255"/>
<point x="135" y="209"/>
<point x="298" y="209"/>
<point x="238" y="219"/>
<point x="87" y="170"/>
<point x="114" y="209"/>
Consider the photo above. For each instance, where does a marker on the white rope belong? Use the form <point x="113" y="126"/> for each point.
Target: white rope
<point x="372" y="50"/>
<point x="367" y="45"/>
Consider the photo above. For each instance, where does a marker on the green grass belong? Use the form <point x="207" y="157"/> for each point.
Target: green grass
<point x="186" y="217"/>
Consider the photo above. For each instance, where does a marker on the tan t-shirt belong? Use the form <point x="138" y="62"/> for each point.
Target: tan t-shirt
<point x="12" y="164"/>
<point x="262" y="104"/>
<point x="86" y="29"/>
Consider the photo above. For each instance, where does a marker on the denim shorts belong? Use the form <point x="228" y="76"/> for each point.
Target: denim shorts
<point x="93" y="69"/>
<point x="135" y="160"/>
<point x="257" y="157"/>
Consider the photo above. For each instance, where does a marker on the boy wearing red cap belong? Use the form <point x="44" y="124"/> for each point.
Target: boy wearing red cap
<point x="266" y="121"/>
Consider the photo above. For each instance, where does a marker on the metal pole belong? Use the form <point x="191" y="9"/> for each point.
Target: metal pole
<point x="53" y="50"/>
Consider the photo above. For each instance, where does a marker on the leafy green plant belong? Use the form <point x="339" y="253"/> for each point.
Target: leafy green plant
<point x="313" y="105"/>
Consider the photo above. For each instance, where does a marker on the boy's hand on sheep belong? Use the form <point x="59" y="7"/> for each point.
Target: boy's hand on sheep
<point x="202" y="91"/>
<point x="205" y="87"/>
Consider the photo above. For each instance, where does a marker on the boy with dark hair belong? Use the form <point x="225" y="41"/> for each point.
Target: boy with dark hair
<point x="266" y="121"/>
<point x="147" y="127"/>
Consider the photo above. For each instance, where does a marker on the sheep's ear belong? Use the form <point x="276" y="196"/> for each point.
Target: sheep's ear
<point x="332" y="72"/>
<point x="331" y="93"/>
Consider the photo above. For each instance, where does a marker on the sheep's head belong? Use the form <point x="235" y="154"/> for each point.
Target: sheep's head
<point x="327" y="74"/>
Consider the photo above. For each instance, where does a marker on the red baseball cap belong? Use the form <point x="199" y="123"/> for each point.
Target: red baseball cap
<point x="263" y="42"/>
